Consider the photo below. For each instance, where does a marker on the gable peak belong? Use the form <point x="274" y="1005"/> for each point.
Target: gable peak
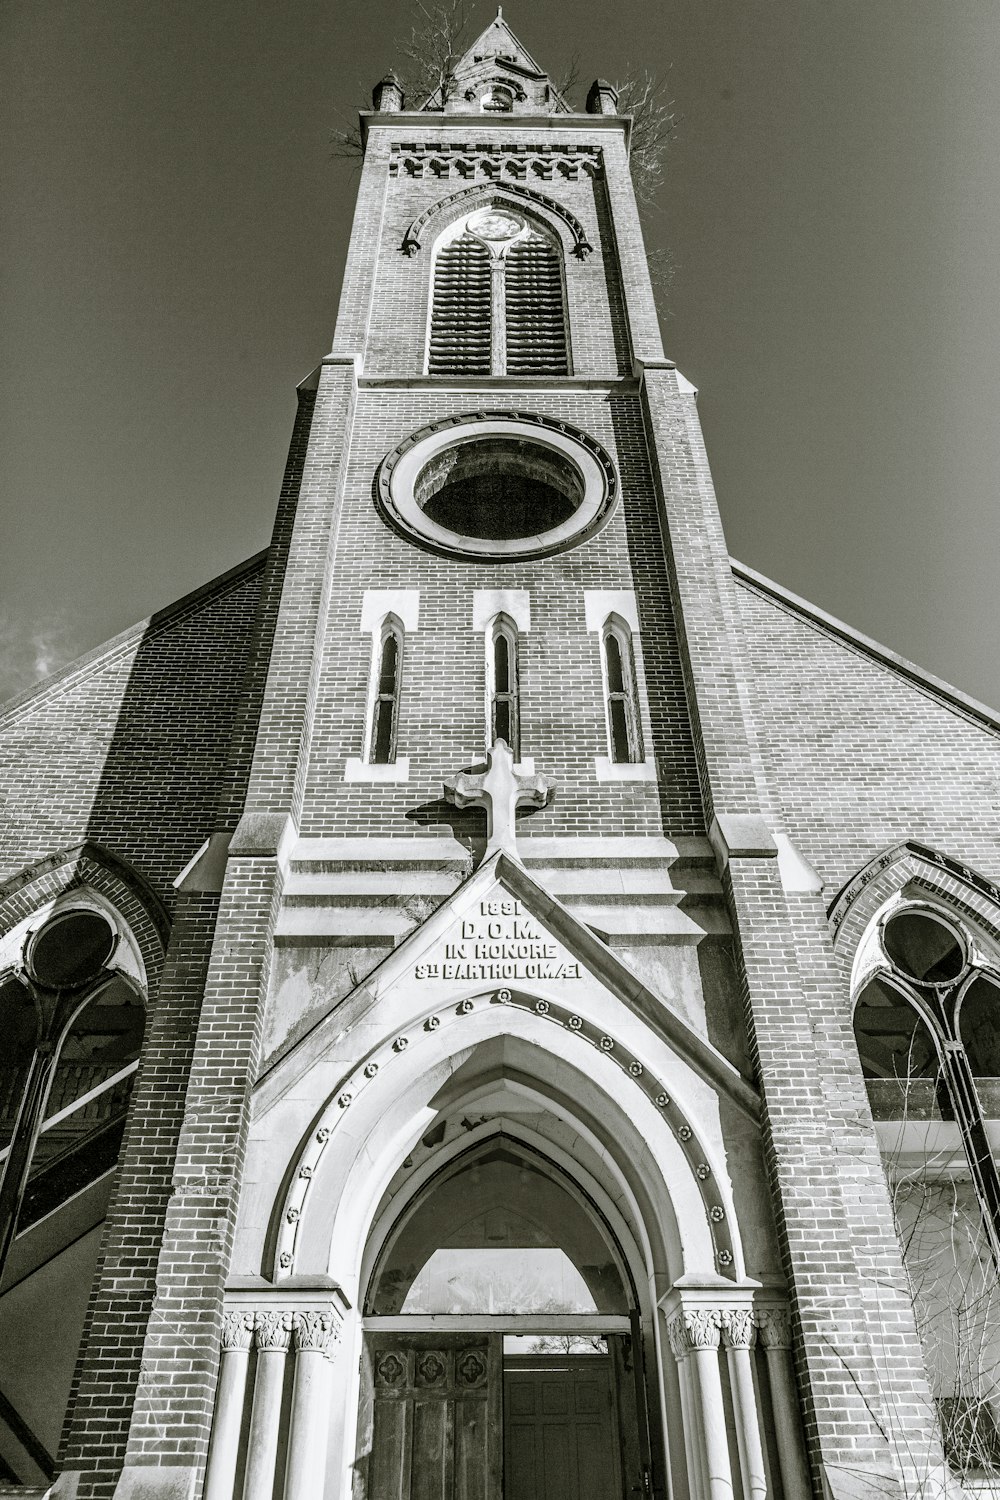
<point x="496" y="74"/>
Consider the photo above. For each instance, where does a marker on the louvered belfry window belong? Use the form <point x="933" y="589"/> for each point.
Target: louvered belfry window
<point x="536" y="327"/>
<point x="461" y="324"/>
<point x="498" y="300"/>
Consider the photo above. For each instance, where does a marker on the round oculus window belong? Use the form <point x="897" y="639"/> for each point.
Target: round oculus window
<point x="497" y="486"/>
<point x="70" y="949"/>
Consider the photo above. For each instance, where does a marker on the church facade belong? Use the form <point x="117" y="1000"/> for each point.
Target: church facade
<point x="503" y="1002"/>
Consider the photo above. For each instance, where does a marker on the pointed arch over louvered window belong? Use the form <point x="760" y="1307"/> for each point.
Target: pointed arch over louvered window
<point x="460" y="341"/>
<point x="498" y="304"/>
<point x="536" y="322"/>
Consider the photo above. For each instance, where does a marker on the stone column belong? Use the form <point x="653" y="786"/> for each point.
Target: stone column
<point x="696" y="1332"/>
<point x="775" y="1331"/>
<point x="739" y="1332"/>
<point x="315" y="1333"/>
<point x="690" y="1415"/>
<point x="237" y="1335"/>
<point x="498" y="315"/>
<point x="272" y="1334"/>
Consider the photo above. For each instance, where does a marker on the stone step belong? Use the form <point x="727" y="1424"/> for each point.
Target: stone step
<point x="360" y="885"/>
<point x="341" y="927"/>
<point x="332" y="856"/>
<point x="357" y="887"/>
<point x="627" y="883"/>
<point x="360" y="927"/>
<point x="616" y="851"/>
<point x="650" y="926"/>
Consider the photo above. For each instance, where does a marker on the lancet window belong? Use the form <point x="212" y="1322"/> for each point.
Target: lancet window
<point x="621" y="693"/>
<point x="387" y="680"/>
<point x="503" y="677"/>
<point x="498" y="304"/>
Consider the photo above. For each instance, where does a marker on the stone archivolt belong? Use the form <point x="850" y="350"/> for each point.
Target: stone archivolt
<point x="450" y="1013"/>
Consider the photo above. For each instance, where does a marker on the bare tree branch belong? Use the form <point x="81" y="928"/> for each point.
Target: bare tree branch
<point x="569" y="78"/>
<point x="645" y="97"/>
<point x="437" y="34"/>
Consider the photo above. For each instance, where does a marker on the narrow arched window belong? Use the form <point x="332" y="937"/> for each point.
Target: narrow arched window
<point x="927" y="1025"/>
<point x="74" y="1026"/>
<point x="622" y="699"/>
<point x="461" y="322"/>
<point x="498" y="304"/>
<point x="387" y="670"/>
<point x="504" y="686"/>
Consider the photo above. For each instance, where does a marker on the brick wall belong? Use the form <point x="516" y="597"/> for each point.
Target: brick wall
<point x="127" y="748"/>
<point x="442" y="716"/>
<point x="859" y="758"/>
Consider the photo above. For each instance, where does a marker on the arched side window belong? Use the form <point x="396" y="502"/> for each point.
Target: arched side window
<point x="387" y="677"/>
<point x="503" y="678"/>
<point x="75" y="1018"/>
<point x="927" y="1025"/>
<point x="621" y="694"/>
<point x="498" y="301"/>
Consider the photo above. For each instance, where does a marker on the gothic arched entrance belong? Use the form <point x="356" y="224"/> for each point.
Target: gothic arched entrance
<point x="500" y="1332"/>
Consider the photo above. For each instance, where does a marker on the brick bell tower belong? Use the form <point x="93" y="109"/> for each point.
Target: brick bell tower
<point x="500" y="1046"/>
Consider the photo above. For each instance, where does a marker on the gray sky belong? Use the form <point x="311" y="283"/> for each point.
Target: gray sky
<point x="175" y="237"/>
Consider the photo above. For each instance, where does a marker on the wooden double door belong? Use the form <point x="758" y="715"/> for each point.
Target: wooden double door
<point x="445" y="1417"/>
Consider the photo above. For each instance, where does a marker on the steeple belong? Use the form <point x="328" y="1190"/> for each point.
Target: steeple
<point x="497" y="75"/>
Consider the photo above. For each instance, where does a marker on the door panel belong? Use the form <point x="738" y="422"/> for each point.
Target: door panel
<point x="429" y="1418"/>
<point x="560" y="1438"/>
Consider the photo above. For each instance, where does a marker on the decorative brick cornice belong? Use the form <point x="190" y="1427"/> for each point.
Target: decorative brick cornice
<point x="490" y="161"/>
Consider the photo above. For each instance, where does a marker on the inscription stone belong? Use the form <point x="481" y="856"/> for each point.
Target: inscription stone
<point x="502" y="941"/>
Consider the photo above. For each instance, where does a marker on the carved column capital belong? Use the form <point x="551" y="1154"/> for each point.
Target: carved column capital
<point x="739" y="1329"/>
<point x="273" y="1330"/>
<point x="237" y="1329"/>
<point x="775" y="1327"/>
<point x="694" y="1328"/>
<point x="316" y="1331"/>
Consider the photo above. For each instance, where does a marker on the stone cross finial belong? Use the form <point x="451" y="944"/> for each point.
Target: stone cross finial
<point x="500" y="791"/>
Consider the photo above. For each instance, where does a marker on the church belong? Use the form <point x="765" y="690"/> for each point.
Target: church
<point x="501" y="1002"/>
